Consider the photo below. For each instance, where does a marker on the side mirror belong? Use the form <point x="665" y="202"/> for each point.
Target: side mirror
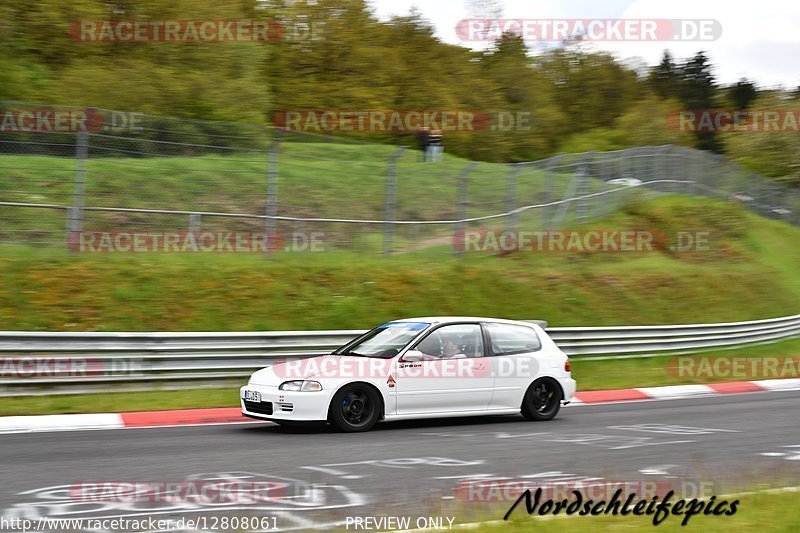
<point x="412" y="356"/>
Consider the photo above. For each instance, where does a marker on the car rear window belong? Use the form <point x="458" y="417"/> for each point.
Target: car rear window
<point x="508" y="339"/>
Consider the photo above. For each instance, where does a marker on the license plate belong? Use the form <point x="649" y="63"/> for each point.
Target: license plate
<point x="252" y="396"/>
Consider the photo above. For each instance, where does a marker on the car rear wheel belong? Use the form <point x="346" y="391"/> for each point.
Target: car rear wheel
<point x="355" y="408"/>
<point x="542" y="401"/>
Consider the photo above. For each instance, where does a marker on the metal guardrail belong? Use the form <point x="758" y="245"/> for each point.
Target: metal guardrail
<point x="44" y="362"/>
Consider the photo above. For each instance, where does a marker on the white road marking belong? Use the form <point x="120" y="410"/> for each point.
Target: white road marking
<point x="660" y="470"/>
<point x="672" y="429"/>
<point x="677" y="391"/>
<point x="34" y="424"/>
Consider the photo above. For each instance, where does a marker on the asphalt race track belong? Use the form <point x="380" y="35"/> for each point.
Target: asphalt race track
<point x="410" y="468"/>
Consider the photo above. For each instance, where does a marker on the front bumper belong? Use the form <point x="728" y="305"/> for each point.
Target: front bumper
<point x="287" y="405"/>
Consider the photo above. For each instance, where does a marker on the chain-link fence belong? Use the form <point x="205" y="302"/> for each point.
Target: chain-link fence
<point x="69" y="173"/>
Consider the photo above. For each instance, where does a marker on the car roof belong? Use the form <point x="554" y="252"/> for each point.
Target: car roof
<point x="450" y="319"/>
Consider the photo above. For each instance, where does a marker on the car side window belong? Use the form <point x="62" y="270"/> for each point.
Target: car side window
<point x="452" y="342"/>
<point x="508" y="339"/>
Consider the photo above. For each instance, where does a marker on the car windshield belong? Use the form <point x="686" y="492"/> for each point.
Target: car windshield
<point x="385" y="341"/>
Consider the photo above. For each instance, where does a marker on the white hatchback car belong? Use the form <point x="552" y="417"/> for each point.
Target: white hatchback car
<point x="418" y="368"/>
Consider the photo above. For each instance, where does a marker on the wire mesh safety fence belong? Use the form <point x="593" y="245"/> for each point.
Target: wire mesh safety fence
<point x="92" y="172"/>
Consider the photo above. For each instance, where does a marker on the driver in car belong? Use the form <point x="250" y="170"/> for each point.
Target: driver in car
<point x="439" y="346"/>
<point x="449" y="348"/>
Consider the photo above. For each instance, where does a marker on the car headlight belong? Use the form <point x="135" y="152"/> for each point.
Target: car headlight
<point x="301" y="386"/>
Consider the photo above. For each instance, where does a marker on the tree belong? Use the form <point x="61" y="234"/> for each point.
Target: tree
<point x="664" y="78"/>
<point x="772" y="153"/>
<point x="743" y="93"/>
<point x="698" y="91"/>
<point x="222" y="81"/>
<point x="592" y="88"/>
<point x="520" y="91"/>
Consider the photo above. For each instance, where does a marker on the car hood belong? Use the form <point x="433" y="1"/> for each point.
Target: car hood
<point x="334" y="367"/>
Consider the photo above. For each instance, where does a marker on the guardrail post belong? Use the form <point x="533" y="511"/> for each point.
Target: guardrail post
<point x="702" y="174"/>
<point x="718" y="175"/>
<point x="582" y="209"/>
<point x="685" y="174"/>
<point x="548" y="213"/>
<point x="511" y="200"/>
<point x="195" y="223"/>
<point x="697" y="166"/>
<point x="713" y="168"/>
<point x="79" y="186"/>
<point x="672" y="170"/>
<point x="662" y="168"/>
<point x="272" y="184"/>
<point x="391" y="201"/>
<point x="461" y="207"/>
<point x="752" y="191"/>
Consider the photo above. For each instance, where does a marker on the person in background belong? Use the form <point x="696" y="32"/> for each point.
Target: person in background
<point x="436" y="145"/>
<point x="423" y="139"/>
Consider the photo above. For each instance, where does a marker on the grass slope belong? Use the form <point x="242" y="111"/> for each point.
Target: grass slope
<point x="750" y="273"/>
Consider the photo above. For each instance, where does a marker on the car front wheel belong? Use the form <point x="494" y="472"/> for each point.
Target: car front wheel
<point x="542" y="401"/>
<point x="355" y="408"/>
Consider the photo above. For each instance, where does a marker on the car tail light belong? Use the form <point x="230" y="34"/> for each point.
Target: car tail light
<point x="567" y="367"/>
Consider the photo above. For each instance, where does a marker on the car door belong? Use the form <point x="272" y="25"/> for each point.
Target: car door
<point x="445" y="371"/>
<point x="513" y="351"/>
